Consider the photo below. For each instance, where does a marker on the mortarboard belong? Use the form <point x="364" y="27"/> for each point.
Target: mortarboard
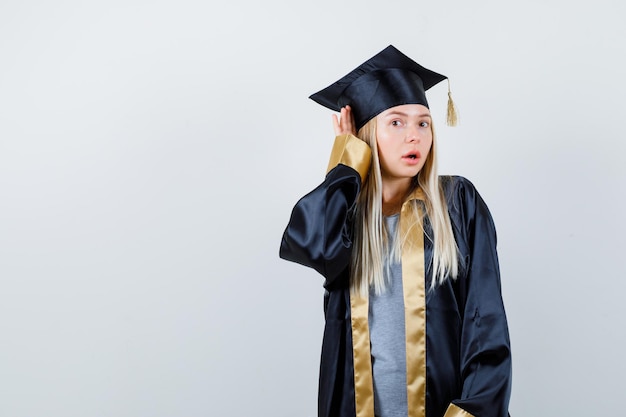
<point x="388" y="79"/>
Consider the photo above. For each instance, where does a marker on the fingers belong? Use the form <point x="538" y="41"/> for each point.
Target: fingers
<point x="336" y="126"/>
<point x="349" y="121"/>
<point x="344" y="124"/>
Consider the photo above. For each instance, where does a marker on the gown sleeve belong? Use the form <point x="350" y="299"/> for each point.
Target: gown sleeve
<point x="485" y="345"/>
<point x="318" y="234"/>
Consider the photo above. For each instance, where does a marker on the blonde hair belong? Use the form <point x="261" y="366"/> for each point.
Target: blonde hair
<point x="371" y="246"/>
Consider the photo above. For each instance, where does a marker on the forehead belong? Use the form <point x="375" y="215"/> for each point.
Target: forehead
<point x="409" y="110"/>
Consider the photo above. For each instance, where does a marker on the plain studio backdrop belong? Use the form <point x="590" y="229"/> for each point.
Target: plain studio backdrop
<point x="151" y="152"/>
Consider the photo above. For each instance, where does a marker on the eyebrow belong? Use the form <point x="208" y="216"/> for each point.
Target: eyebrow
<point x="400" y="113"/>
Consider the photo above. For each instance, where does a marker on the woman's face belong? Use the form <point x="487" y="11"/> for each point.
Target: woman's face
<point x="404" y="137"/>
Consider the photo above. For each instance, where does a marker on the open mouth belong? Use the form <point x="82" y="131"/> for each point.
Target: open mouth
<point x="412" y="155"/>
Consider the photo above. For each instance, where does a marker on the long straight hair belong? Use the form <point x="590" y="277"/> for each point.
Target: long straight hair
<point x="371" y="246"/>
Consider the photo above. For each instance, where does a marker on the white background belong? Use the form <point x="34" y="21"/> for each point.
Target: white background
<point x="151" y="152"/>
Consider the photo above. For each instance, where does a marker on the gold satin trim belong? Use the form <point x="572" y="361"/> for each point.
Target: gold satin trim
<point x="363" y="383"/>
<point x="456" y="411"/>
<point x="413" y="286"/>
<point x="416" y="194"/>
<point x="353" y="152"/>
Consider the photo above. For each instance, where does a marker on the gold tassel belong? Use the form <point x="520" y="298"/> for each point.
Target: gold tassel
<point x="452" y="117"/>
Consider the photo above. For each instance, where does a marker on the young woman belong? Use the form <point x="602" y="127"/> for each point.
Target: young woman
<point x="415" y="324"/>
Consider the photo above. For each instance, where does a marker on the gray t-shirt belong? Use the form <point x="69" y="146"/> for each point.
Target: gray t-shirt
<point x="388" y="349"/>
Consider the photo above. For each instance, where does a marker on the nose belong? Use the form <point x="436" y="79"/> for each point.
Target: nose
<point x="413" y="135"/>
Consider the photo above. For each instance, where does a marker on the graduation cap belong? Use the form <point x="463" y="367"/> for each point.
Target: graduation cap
<point x="386" y="80"/>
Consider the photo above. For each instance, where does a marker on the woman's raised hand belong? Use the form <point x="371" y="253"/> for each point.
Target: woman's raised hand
<point x="344" y="124"/>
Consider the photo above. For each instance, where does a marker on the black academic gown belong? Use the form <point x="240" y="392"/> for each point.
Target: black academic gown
<point x="467" y="350"/>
